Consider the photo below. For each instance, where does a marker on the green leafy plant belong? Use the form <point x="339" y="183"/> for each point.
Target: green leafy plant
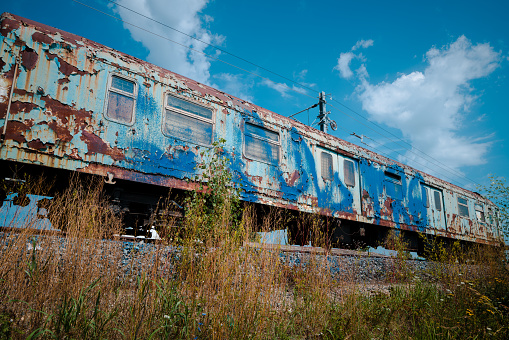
<point x="213" y="211"/>
<point x="498" y="192"/>
<point x="173" y="313"/>
<point x="77" y="317"/>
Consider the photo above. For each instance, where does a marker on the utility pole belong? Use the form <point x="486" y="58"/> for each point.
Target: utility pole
<point x="323" y="119"/>
<point x="321" y="116"/>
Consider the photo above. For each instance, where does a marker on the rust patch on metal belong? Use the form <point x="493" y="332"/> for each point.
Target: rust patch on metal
<point x="16" y="129"/>
<point x="387" y="212"/>
<point x="97" y="145"/>
<point x="69" y="37"/>
<point x="3" y="109"/>
<point x="42" y="38"/>
<point x="8" y="25"/>
<point x="17" y="107"/>
<point x="75" y="154"/>
<point x="7" y="79"/>
<point x="293" y="178"/>
<point x="314" y="201"/>
<point x="62" y="132"/>
<point x="325" y="211"/>
<point x="22" y="92"/>
<point x="65" y="67"/>
<point x="255" y="179"/>
<point x="29" y="58"/>
<point x="54" y="108"/>
<point x="131" y="175"/>
<point x="64" y="80"/>
<point x="19" y="42"/>
<point x="37" y="144"/>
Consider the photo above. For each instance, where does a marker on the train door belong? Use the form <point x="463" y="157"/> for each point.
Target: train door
<point x="434" y="202"/>
<point x="348" y="170"/>
<point x="327" y="173"/>
<point x="492" y="221"/>
<point x="339" y="182"/>
<point x="483" y="229"/>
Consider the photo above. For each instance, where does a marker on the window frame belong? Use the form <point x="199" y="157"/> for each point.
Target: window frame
<point x="438" y="203"/>
<point x="479" y="208"/>
<point x="345" y="161"/>
<point x="268" y="140"/>
<point x="331" y="166"/>
<point x="464" y="205"/>
<point x="166" y="107"/>
<point x="133" y="95"/>
<point x="395" y="179"/>
<point x="426" y="201"/>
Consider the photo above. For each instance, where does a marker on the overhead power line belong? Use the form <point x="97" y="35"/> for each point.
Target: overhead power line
<point x="440" y="164"/>
<point x="213" y="46"/>
<point x="195" y="50"/>
<point x="431" y="159"/>
<point x="392" y="134"/>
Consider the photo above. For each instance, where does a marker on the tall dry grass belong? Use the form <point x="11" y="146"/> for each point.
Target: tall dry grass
<point x="204" y="284"/>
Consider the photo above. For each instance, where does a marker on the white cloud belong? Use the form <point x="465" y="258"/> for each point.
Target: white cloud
<point x="429" y="107"/>
<point x="282" y="88"/>
<point x="363" y="43"/>
<point x="300" y="89"/>
<point x="343" y="65"/>
<point x="344" y="60"/>
<point x="286" y="90"/>
<point x="300" y="76"/>
<point x="362" y="72"/>
<point x="236" y="85"/>
<point x="184" y="16"/>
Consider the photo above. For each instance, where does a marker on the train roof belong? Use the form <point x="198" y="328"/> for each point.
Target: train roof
<point x="47" y="35"/>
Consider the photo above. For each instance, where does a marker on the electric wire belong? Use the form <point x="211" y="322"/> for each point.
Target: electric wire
<point x="379" y="151"/>
<point x="451" y="170"/>
<point x="386" y="155"/>
<point x="454" y="172"/>
<point x="214" y="46"/>
<point x="194" y="50"/>
<point x="410" y="150"/>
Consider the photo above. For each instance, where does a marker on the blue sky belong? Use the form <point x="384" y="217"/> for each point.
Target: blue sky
<point x="424" y="83"/>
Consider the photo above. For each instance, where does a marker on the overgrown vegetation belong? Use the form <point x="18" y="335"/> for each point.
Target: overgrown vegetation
<point x="498" y="192"/>
<point x="205" y="285"/>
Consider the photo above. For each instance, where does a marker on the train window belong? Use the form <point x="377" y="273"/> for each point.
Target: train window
<point x="327" y="169"/>
<point x="491" y="215"/>
<point x="463" y="207"/>
<point x="121" y="100"/>
<point x="479" y="212"/>
<point x="349" y="172"/>
<point x="261" y="144"/>
<point x="425" y="197"/>
<point x="188" y="121"/>
<point x="393" y="187"/>
<point x="438" y="200"/>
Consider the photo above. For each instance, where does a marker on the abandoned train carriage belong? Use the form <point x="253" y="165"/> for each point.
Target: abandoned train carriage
<point x="71" y="104"/>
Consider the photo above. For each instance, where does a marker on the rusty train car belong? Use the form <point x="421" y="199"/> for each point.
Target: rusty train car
<point x="68" y="104"/>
